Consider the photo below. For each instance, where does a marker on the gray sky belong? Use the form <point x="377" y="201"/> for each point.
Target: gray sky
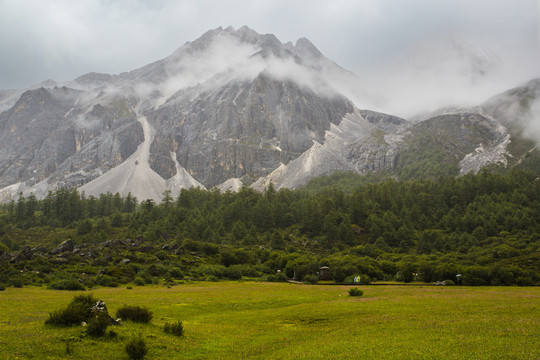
<point x="62" y="39"/>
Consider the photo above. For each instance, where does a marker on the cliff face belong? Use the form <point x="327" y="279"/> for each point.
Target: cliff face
<point x="49" y="132"/>
<point x="242" y="130"/>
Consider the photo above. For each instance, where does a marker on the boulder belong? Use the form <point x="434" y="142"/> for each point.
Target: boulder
<point x="114" y="243"/>
<point x="40" y="250"/>
<point x="24" y="254"/>
<point x="64" y="247"/>
<point x="101" y="307"/>
<point x="124" y="262"/>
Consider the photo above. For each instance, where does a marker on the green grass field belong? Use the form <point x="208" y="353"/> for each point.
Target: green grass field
<point x="249" y="320"/>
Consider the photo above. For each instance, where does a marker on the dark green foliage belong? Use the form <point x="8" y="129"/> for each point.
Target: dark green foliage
<point x="84" y="227"/>
<point x="2" y="287"/>
<point x="69" y="348"/>
<point x="175" y="328"/>
<point x="107" y="280"/>
<point x="135" y="313"/>
<point x="78" y="310"/>
<point x="136" y="348"/>
<point x="3" y="248"/>
<point x="278" y="277"/>
<point x="407" y="272"/>
<point x="233" y="272"/>
<point x="72" y="284"/>
<point x="355" y="292"/>
<point x="311" y="279"/>
<point x="176" y="273"/>
<point x="97" y="325"/>
<point x="386" y="230"/>
<point x="16" y="283"/>
<point x="139" y="281"/>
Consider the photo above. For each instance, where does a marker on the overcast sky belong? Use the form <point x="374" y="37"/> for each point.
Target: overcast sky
<point x="62" y="39"/>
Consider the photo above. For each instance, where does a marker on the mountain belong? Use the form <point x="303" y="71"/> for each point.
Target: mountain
<point x="236" y="108"/>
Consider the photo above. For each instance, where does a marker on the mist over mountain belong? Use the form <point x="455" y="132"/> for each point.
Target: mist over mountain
<point x="238" y="108"/>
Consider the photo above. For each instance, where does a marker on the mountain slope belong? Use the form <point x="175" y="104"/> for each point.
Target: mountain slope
<point x="236" y="108"/>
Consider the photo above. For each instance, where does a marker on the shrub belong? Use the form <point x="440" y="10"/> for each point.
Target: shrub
<point x="134" y="313"/>
<point x="97" y="326"/>
<point x="67" y="285"/>
<point x="2" y="287"/>
<point x="87" y="300"/>
<point x="355" y="292"/>
<point x="311" y="279"/>
<point x="278" y="277"/>
<point x="449" y="282"/>
<point x="136" y="348"/>
<point x="176" y="273"/>
<point x="78" y="310"/>
<point x="16" y="282"/>
<point x="175" y="328"/>
<point x="106" y="280"/>
<point x="525" y="281"/>
<point x="66" y="317"/>
<point x="233" y="273"/>
<point x="139" y="281"/>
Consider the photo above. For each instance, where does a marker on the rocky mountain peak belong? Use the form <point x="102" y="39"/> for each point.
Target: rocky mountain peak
<point x="232" y="107"/>
<point x="305" y="49"/>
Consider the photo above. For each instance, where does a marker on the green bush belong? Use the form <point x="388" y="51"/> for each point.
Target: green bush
<point x="355" y="292"/>
<point x="72" y="284"/>
<point x="136" y="348"/>
<point x="2" y="287"/>
<point x="278" y="277"/>
<point x="311" y="279"/>
<point x="78" y="310"/>
<point x="97" y="326"/>
<point x="233" y="273"/>
<point x="175" y="328"/>
<point x="16" y="282"/>
<point x="525" y="281"/>
<point x="106" y="280"/>
<point x="176" y="273"/>
<point x="3" y="248"/>
<point x="134" y="313"/>
<point x="139" y="281"/>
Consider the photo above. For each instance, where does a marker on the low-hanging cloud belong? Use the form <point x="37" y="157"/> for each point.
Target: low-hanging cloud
<point x="63" y="39"/>
<point x="532" y="129"/>
<point x="446" y="72"/>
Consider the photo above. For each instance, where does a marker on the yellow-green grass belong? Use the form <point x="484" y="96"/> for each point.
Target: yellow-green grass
<point x="234" y="320"/>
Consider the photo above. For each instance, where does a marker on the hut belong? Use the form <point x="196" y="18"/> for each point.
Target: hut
<point x="324" y="273"/>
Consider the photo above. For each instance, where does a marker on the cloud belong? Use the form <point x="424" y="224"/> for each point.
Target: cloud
<point x="533" y="123"/>
<point x="62" y="39"/>
<point x="445" y="72"/>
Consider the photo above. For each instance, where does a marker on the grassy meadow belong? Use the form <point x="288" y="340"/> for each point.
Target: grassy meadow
<point x="250" y="320"/>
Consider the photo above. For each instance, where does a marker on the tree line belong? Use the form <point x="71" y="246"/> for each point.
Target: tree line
<point x="485" y="226"/>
